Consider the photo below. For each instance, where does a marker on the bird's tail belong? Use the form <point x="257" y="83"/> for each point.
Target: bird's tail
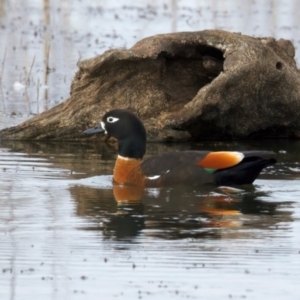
<point x="243" y="173"/>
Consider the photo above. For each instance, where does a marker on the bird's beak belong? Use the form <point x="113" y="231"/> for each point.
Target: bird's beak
<point x="96" y="129"/>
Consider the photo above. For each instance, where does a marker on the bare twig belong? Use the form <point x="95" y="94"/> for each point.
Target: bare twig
<point x="2" y="65"/>
<point x="47" y="68"/>
<point x="37" y="96"/>
<point x="27" y="83"/>
<point x="1" y="76"/>
<point x="28" y="76"/>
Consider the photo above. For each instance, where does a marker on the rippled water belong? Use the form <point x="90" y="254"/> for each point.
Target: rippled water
<point x="64" y="235"/>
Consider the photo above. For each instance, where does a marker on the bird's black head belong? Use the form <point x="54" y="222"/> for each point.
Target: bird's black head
<point x="127" y="128"/>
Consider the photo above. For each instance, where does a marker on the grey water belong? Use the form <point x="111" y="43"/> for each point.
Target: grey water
<point x="65" y="232"/>
<point x="64" y="235"/>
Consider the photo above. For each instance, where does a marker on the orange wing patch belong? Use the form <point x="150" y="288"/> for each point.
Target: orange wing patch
<point x="221" y="160"/>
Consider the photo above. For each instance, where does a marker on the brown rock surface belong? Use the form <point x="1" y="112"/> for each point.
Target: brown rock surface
<point x="208" y="84"/>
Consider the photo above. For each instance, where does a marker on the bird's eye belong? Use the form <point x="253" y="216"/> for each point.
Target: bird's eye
<point x="112" y="119"/>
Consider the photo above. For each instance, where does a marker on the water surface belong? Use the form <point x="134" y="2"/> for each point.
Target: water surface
<point x="65" y="236"/>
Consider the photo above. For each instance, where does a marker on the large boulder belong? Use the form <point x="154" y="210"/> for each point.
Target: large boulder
<point x="209" y="84"/>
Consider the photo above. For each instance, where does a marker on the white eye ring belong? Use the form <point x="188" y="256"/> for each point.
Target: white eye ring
<point x="112" y="119"/>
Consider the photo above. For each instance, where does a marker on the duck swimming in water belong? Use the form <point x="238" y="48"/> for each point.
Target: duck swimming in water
<point x="173" y="168"/>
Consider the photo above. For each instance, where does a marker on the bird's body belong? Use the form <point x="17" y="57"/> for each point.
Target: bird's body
<point x="173" y="168"/>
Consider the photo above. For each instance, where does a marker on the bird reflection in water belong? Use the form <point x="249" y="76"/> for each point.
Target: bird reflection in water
<point x="173" y="213"/>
